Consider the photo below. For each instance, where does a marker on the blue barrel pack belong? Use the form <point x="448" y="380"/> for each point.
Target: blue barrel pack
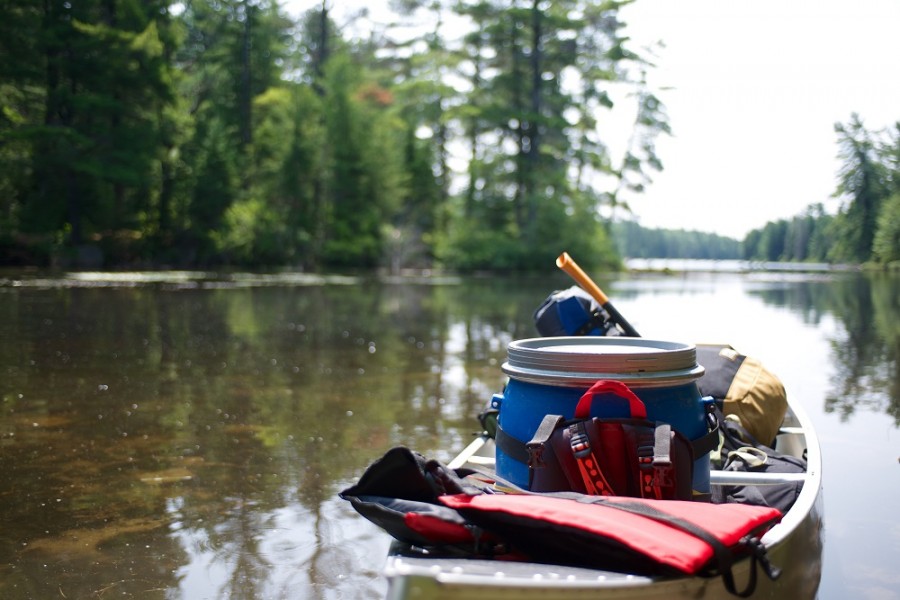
<point x="548" y="375"/>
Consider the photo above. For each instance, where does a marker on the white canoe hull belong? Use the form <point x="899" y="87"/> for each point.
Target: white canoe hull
<point x="794" y="545"/>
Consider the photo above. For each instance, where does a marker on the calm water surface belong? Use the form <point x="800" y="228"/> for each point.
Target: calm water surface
<point x="186" y="435"/>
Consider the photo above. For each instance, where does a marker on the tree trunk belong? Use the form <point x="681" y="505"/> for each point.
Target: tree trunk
<point x="474" y="159"/>
<point x="519" y="131"/>
<point x="246" y="96"/>
<point x="534" y="124"/>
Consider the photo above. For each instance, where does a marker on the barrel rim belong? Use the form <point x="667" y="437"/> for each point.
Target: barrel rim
<point x="552" y="360"/>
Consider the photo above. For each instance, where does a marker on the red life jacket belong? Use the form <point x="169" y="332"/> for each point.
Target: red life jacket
<point x="424" y="503"/>
<point x="632" y="535"/>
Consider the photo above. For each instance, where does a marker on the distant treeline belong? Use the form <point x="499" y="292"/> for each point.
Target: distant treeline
<point x="811" y="236"/>
<point x="867" y="226"/>
<point x="222" y="132"/>
<point x="635" y="241"/>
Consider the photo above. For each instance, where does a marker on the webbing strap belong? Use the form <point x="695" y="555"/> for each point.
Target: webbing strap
<point x="662" y="445"/>
<point x="710" y="440"/>
<point x="541" y="437"/>
<point x="655" y="463"/>
<point x="511" y="446"/>
<point x="591" y="475"/>
<point x="724" y="560"/>
<point x="517" y="449"/>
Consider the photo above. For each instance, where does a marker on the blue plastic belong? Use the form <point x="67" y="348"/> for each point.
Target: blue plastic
<point x="523" y="405"/>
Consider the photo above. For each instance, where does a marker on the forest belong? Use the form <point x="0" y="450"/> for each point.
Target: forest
<point x="635" y="241"/>
<point x="866" y="228"/>
<point x="465" y="135"/>
<point x="223" y="132"/>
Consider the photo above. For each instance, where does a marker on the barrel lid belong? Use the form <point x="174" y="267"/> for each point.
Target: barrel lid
<point x="580" y="361"/>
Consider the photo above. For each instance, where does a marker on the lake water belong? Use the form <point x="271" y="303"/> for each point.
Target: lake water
<point x="185" y="435"/>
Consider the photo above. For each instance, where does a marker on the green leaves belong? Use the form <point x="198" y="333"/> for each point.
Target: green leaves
<point x="224" y="133"/>
<point x="886" y="244"/>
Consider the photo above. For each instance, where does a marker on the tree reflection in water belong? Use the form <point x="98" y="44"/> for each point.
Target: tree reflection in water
<point x="866" y="348"/>
<point x="188" y="440"/>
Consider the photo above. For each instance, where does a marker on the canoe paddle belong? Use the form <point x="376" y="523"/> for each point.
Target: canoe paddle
<point x="568" y="265"/>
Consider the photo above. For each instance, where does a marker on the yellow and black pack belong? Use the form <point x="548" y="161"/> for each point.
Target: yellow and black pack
<point x="743" y="387"/>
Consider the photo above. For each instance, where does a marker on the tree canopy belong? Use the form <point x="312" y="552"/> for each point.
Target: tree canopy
<point x="157" y="133"/>
<point x="225" y="133"/>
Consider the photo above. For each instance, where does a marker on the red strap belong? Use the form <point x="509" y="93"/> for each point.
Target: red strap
<point x="610" y="386"/>
<point x="595" y="482"/>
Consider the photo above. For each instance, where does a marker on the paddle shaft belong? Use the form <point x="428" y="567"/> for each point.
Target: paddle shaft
<point x="568" y="265"/>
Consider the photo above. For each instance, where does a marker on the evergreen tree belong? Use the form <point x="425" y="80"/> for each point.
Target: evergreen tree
<point x="862" y="183"/>
<point x="524" y="121"/>
<point x="103" y="78"/>
<point x="22" y="75"/>
<point x="820" y="237"/>
<point x="232" y="54"/>
<point x="415" y="68"/>
<point x="886" y="245"/>
<point x="751" y="245"/>
<point x="364" y="179"/>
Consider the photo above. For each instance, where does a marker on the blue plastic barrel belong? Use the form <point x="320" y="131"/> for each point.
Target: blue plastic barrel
<point x="549" y="375"/>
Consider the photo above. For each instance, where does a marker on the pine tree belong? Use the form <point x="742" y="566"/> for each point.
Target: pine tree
<point x="862" y="183"/>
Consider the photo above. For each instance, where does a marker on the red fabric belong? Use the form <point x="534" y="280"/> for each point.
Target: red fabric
<point x="610" y="386"/>
<point x="437" y="530"/>
<point x="669" y="546"/>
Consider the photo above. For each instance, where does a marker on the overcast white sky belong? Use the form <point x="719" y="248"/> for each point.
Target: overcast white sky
<point x="756" y="90"/>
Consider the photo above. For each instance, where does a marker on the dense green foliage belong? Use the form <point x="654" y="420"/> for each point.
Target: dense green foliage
<point x="866" y="228"/>
<point x="222" y="132"/>
<point x="805" y="237"/>
<point x="634" y="241"/>
<point x="216" y="132"/>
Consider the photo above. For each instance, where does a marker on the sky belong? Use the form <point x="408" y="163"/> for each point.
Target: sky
<point x="753" y="91"/>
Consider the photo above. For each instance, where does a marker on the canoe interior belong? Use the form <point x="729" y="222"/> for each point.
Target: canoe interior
<point x="795" y="545"/>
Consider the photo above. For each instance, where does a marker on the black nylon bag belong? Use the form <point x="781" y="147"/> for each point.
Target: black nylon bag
<point x="401" y="483"/>
<point x="781" y="496"/>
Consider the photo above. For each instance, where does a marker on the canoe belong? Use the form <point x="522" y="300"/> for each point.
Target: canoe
<point x="794" y="545"/>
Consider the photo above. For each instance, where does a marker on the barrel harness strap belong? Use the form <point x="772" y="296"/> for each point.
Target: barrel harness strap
<point x="653" y="455"/>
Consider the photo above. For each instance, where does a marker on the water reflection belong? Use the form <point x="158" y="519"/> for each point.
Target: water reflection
<point x="190" y="441"/>
<point x="187" y="439"/>
<point x="866" y="348"/>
